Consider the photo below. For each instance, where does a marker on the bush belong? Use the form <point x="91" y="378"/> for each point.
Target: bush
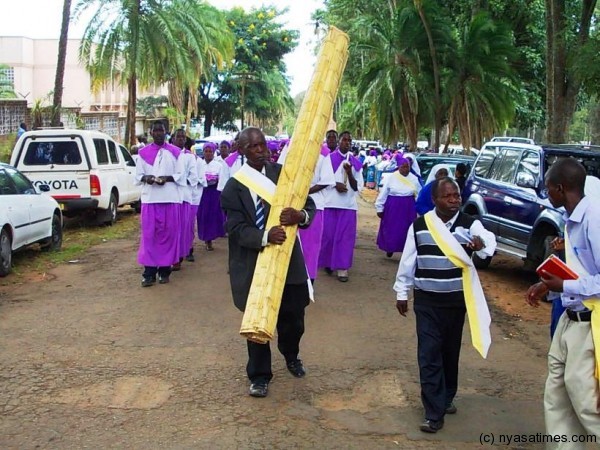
<point x="6" y="146"/>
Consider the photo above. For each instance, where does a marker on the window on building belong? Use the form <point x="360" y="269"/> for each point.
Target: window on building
<point x="7" y="79"/>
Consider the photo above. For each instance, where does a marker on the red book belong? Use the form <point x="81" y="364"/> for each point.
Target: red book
<point x="554" y="265"/>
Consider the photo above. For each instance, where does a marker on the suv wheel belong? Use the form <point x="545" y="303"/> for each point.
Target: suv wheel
<point x="481" y="263"/>
<point x="5" y="253"/>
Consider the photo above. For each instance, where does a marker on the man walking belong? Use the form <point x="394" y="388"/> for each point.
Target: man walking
<point x="160" y="172"/>
<point x="247" y="215"/>
<point x="435" y="244"/>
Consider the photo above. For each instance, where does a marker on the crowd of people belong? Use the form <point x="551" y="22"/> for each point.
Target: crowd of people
<point x="227" y="193"/>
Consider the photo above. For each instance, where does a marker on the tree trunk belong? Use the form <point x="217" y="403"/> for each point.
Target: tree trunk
<point x="60" y="65"/>
<point x="131" y="101"/>
<point x="208" y="120"/>
<point x="436" y="77"/>
<point x="562" y="87"/>
<point x="595" y="123"/>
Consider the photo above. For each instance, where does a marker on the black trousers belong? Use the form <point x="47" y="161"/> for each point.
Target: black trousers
<point x="439" y="334"/>
<point x="150" y="272"/>
<point x="290" y="328"/>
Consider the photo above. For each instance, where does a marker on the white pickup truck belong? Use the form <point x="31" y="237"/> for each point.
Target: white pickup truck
<point x="87" y="171"/>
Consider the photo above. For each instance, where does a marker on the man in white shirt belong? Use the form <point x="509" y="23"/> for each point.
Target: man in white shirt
<point x="439" y="298"/>
<point x="160" y="172"/>
<point x="340" y="217"/>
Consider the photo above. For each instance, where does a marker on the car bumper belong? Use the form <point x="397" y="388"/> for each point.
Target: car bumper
<point x="77" y="204"/>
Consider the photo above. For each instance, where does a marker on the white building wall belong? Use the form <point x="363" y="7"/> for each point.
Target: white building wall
<point x="34" y="63"/>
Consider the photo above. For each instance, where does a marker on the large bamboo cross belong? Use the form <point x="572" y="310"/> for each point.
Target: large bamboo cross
<point x="264" y="300"/>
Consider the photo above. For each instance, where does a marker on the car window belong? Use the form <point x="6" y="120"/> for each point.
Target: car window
<point x="485" y="161"/>
<point x="57" y="153"/>
<point x="6" y="186"/>
<point x="126" y="156"/>
<point x="112" y="151"/>
<point x="505" y="170"/>
<point x="101" y="152"/>
<point x="529" y="167"/>
<point x="23" y="185"/>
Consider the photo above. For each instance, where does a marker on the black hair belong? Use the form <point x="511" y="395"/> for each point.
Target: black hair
<point x="568" y="172"/>
<point x="462" y="168"/>
<point x="346" y="132"/>
<point x="331" y="131"/>
<point x="157" y="123"/>
<point x="435" y="187"/>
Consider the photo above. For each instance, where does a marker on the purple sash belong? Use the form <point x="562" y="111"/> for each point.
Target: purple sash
<point x="149" y="152"/>
<point x="337" y="158"/>
<point x="325" y="150"/>
<point x="231" y="159"/>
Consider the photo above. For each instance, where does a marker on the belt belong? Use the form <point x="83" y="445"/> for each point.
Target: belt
<point x="579" y="316"/>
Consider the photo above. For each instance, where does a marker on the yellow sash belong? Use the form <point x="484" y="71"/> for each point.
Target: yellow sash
<point x="258" y="183"/>
<point x="262" y="186"/>
<point x="407" y="182"/>
<point x="593" y="304"/>
<point x="477" y="309"/>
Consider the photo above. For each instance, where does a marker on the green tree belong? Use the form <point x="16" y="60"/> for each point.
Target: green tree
<point x="254" y="84"/>
<point x="145" y="42"/>
<point x="568" y="28"/>
<point x="482" y="86"/>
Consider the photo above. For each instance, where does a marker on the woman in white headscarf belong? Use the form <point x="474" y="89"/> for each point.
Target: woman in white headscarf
<point x="414" y="166"/>
<point x="424" y="200"/>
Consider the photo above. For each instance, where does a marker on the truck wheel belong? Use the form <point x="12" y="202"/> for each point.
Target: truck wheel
<point x="54" y="242"/>
<point x="110" y="215"/>
<point x="5" y="253"/>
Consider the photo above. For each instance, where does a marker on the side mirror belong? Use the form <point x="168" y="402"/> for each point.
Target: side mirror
<point x="526" y="180"/>
<point x="44" y="188"/>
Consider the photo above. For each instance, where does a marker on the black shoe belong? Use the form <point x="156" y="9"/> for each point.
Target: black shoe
<point x="328" y="270"/>
<point x="296" y="368"/>
<point x="451" y="408"/>
<point x="259" y="389"/>
<point x="163" y="279"/>
<point x="431" y="426"/>
<point x="146" y="282"/>
<point x="190" y="258"/>
<point x="175" y="267"/>
<point x="389" y="254"/>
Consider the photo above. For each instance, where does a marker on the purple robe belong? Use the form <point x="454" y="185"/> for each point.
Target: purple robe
<point x="186" y="232"/>
<point x="159" y="237"/>
<point x="310" y="239"/>
<point x="211" y="220"/>
<point x="337" y="158"/>
<point x="339" y="237"/>
<point x="399" y="212"/>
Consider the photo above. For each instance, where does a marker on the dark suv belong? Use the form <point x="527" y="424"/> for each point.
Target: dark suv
<point x="506" y="191"/>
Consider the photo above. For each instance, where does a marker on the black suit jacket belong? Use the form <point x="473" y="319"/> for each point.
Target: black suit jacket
<point x="245" y="239"/>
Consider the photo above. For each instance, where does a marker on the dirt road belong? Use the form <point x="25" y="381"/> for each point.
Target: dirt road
<point x="91" y="360"/>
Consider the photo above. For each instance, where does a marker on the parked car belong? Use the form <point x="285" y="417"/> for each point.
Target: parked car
<point x="87" y="171"/>
<point x="26" y="216"/>
<point x="428" y="160"/>
<point x="506" y="191"/>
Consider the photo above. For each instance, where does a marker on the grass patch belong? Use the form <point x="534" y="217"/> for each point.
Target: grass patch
<point x="6" y="147"/>
<point x="78" y="238"/>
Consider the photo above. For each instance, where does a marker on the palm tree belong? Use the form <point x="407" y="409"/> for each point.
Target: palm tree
<point x="146" y="42"/>
<point x="482" y="85"/>
<point x="392" y="79"/>
<point x="60" y="65"/>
